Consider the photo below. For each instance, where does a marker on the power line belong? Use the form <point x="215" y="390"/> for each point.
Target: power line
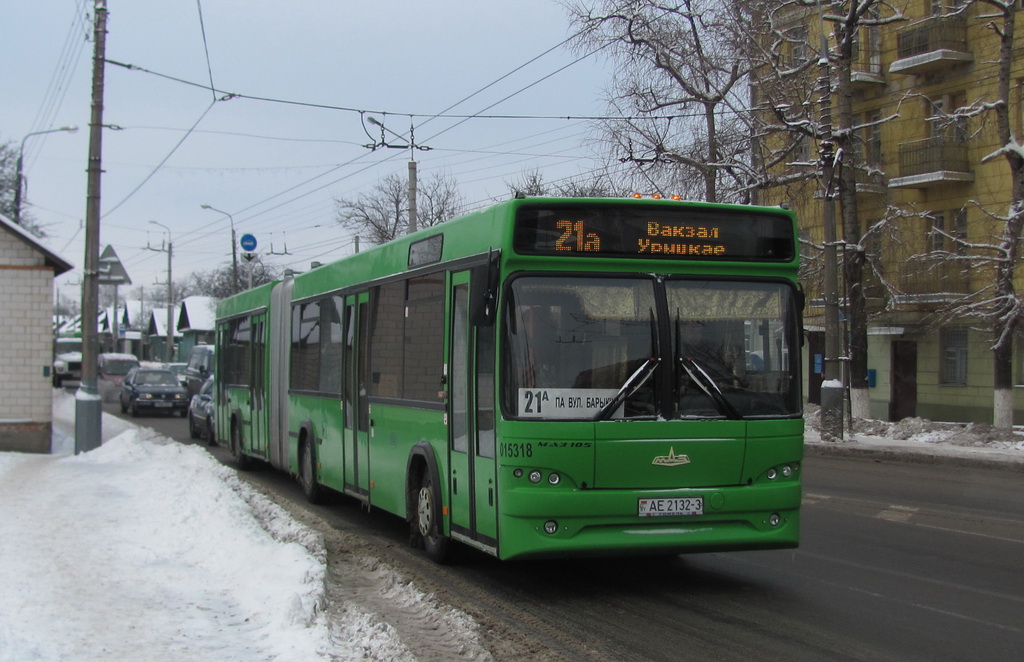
<point x="228" y="96"/>
<point x="162" y="162"/>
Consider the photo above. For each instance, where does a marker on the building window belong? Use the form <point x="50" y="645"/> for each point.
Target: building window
<point x="960" y="232"/>
<point x="953" y="351"/>
<point x="946" y="120"/>
<point x="938" y="231"/>
<point x="874" y="140"/>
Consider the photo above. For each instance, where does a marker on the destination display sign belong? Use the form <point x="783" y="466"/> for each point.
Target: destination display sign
<point x="636" y="231"/>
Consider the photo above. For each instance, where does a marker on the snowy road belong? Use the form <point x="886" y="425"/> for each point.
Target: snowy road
<point x="898" y="562"/>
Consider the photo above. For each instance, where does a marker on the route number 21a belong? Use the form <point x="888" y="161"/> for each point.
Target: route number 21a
<point x="574" y="237"/>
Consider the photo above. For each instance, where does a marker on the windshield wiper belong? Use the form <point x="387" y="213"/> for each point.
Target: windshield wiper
<point x="635" y="381"/>
<point x="701" y="378"/>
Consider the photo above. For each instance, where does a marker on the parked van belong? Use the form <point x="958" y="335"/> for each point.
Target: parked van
<point x="67" y="360"/>
<point x="111" y="370"/>
<point x="200" y="366"/>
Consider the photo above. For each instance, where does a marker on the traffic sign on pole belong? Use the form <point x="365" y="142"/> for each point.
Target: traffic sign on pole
<point x="248" y="242"/>
<point x="111" y="271"/>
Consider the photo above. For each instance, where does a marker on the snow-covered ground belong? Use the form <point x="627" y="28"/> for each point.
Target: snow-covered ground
<point x="928" y="440"/>
<point x="147" y="549"/>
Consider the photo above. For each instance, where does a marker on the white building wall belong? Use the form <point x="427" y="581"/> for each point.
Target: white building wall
<point x="26" y="309"/>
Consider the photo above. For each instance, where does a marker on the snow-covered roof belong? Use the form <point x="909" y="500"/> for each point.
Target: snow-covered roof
<point x="59" y="264"/>
<point x="197" y="313"/>
<point x="158" y="323"/>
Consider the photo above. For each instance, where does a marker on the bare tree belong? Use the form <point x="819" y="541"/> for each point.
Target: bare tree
<point x="8" y="183"/>
<point x="678" y="90"/>
<point x="438" y="200"/>
<point x="855" y="25"/>
<point x="382" y="215"/>
<point x="532" y="183"/>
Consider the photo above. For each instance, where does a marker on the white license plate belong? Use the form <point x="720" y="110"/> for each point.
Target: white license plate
<point x="670" y="507"/>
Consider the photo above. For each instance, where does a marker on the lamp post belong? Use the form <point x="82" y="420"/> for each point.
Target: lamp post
<point x="234" y="246"/>
<point x="18" y="178"/>
<point x="170" y="296"/>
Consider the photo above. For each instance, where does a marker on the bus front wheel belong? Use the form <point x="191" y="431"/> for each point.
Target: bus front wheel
<point x="427" y="524"/>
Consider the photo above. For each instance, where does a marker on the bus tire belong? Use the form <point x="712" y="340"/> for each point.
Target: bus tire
<point x="426" y="522"/>
<point x="307" y="472"/>
<point x="242" y="460"/>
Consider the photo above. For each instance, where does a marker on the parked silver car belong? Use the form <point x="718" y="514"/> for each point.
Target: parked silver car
<point x="200" y="414"/>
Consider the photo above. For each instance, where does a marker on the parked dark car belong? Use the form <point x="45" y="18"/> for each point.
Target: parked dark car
<point x="153" y="389"/>
<point x="200" y="414"/>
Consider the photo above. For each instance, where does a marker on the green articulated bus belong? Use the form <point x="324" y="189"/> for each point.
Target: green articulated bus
<point x="547" y="377"/>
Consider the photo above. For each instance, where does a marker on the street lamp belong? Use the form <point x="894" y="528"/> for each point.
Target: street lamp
<point x="234" y="245"/>
<point x="18" y="179"/>
<point x="170" y="297"/>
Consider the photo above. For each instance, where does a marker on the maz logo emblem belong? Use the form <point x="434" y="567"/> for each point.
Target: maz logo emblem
<point x="671" y="460"/>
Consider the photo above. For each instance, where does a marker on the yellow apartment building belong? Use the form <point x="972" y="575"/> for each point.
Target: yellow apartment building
<point x="927" y="197"/>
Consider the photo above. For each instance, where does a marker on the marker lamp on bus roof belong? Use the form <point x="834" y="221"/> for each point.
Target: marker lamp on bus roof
<point x="535" y="476"/>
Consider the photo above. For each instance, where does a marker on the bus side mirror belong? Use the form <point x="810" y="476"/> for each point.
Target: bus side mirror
<point x="483" y="283"/>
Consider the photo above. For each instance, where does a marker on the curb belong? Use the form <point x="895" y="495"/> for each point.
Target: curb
<point x="913" y="456"/>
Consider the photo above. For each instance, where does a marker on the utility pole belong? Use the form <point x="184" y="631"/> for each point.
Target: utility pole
<point x="88" y="405"/>
<point x="169" y="353"/>
<point x="412" y="193"/>
<point x="832" y="390"/>
<point x="412" y="146"/>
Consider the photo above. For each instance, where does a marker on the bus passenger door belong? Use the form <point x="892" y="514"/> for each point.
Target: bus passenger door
<point x="258" y="387"/>
<point x="357" y="415"/>
<point x="470" y="417"/>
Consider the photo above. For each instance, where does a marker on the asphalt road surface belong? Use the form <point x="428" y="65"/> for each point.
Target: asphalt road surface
<point x="898" y="561"/>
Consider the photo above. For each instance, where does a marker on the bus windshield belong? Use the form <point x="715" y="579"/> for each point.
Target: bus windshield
<point x="597" y="348"/>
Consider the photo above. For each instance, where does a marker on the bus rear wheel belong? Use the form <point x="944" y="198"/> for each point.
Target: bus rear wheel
<point x="307" y="473"/>
<point x="242" y="460"/>
<point x="427" y="524"/>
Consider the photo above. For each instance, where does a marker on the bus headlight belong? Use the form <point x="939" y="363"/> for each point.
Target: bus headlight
<point x="535" y="476"/>
<point x="554" y="479"/>
<point x="550" y="527"/>
<point x="774" y="519"/>
<point x="772" y="474"/>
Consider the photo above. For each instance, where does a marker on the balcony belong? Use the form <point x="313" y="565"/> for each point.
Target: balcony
<point x="867" y="72"/>
<point x="931" y="45"/>
<point x="925" y="280"/>
<point x="870" y="180"/>
<point x="932" y="162"/>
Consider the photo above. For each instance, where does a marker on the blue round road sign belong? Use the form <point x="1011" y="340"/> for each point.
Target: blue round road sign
<point x="248" y="242"/>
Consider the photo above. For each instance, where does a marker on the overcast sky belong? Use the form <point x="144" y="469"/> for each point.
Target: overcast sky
<point x="277" y="166"/>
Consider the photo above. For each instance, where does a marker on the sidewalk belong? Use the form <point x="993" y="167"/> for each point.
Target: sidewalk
<point x="930" y="449"/>
<point x="63" y="442"/>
